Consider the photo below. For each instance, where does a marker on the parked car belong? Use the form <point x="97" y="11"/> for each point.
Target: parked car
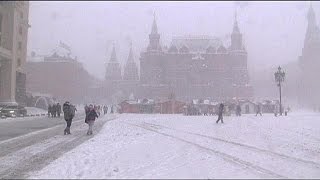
<point x="13" y="111"/>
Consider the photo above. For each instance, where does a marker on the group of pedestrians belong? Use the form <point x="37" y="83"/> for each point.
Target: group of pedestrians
<point x="92" y="112"/>
<point x="54" y="110"/>
<point x="258" y="108"/>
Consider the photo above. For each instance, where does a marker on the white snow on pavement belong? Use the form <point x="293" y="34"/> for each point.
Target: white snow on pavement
<point x="176" y="146"/>
<point x="34" y="110"/>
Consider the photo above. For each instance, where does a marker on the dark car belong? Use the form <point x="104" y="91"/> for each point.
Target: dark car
<point x="13" y="111"/>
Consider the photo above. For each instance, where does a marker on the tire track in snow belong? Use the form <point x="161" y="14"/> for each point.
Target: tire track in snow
<point x="289" y="131"/>
<point x="284" y="156"/>
<point x="225" y="156"/>
<point x="36" y="161"/>
<point x="14" y="144"/>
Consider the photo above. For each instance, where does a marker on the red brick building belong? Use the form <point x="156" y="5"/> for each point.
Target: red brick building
<point x="195" y="67"/>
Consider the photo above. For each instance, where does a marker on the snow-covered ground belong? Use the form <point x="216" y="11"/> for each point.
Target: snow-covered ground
<point x="177" y="146"/>
<point x="34" y="110"/>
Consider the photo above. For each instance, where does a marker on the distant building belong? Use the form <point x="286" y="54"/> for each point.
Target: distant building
<point x="115" y="82"/>
<point x="192" y="67"/>
<point x="13" y="51"/>
<point x="309" y="86"/>
<point x="60" y="75"/>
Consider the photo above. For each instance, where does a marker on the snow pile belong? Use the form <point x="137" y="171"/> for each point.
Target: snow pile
<point x="176" y="146"/>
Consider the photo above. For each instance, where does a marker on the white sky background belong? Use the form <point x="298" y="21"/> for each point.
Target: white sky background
<point x="273" y="31"/>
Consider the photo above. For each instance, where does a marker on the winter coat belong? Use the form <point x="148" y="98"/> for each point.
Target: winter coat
<point x="221" y="107"/>
<point x="58" y="108"/>
<point x="92" y="115"/>
<point x="67" y="111"/>
<point x="86" y="110"/>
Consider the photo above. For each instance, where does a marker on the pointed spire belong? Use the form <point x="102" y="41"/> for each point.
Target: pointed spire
<point x="130" y="57"/>
<point x="113" y="57"/>
<point x="235" y="24"/>
<point x="311" y="14"/>
<point x="154" y="25"/>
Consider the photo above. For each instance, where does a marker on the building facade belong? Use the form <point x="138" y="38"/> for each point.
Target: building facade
<point x="61" y="76"/>
<point x="13" y="51"/>
<point x="309" y="86"/>
<point x="121" y="86"/>
<point x="195" y="67"/>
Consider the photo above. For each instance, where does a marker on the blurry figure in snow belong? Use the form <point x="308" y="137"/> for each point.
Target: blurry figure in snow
<point x="49" y="110"/>
<point x="96" y="108"/>
<point x="58" y="109"/>
<point x="86" y="109"/>
<point x="238" y="110"/>
<point x="111" y="111"/>
<point x="99" y="110"/>
<point x="69" y="112"/>
<point x="220" y="112"/>
<point x="275" y="111"/>
<point x="258" y="110"/>
<point x="105" y="109"/>
<point x="54" y="110"/>
<point x="90" y="118"/>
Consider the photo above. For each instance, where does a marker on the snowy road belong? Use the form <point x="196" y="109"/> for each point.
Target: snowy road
<point x="31" y="150"/>
<point x="176" y="146"/>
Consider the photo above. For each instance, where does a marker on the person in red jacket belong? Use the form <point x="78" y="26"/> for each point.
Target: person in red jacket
<point x="90" y="118"/>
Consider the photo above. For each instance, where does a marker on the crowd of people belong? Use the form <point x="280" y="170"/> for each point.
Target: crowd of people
<point x="54" y="110"/>
<point x="92" y="112"/>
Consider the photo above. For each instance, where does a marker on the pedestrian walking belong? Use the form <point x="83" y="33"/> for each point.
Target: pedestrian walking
<point x="58" y="109"/>
<point x="49" y="110"/>
<point x="238" y="110"/>
<point x="220" y="112"/>
<point x="54" y="110"/>
<point x="90" y="119"/>
<point x="111" y="111"/>
<point x="69" y="113"/>
<point x="259" y="110"/>
<point x="86" y="109"/>
<point x="105" y="109"/>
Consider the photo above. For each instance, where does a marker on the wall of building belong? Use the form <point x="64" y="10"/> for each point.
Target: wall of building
<point x="13" y="48"/>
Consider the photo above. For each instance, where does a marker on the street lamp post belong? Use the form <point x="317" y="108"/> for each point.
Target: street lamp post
<point x="279" y="77"/>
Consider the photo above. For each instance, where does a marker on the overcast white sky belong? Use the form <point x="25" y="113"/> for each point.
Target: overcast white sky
<point x="273" y="31"/>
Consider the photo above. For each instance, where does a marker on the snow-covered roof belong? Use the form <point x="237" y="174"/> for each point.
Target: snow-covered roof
<point x="196" y="43"/>
<point x="132" y="102"/>
<point x="195" y="101"/>
<point x="206" y="101"/>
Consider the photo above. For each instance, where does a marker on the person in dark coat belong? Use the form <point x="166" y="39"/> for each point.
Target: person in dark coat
<point x="105" y="109"/>
<point x="54" y="110"/>
<point x="111" y="111"/>
<point x="259" y="110"/>
<point x="68" y="116"/>
<point x="58" y="107"/>
<point x="238" y="110"/>
<point x="86" y="109"/>
<point x="90" y="118"/>
<point x="49" y="110"/>
<point x="220" y="112"/>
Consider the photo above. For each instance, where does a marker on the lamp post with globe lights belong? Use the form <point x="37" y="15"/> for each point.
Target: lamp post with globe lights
<point x="279" y="78"/>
